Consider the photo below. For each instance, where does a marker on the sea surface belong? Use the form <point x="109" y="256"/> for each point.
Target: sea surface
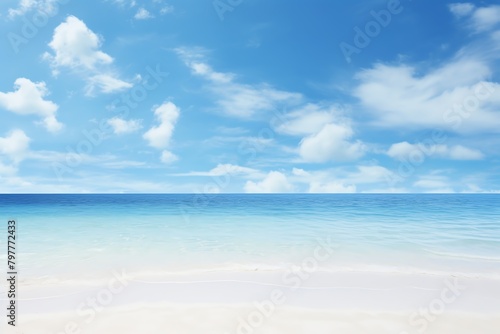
<point x="62" y="236"/>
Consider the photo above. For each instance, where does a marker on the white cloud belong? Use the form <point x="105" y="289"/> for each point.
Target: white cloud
<point x="15" y="145"/>
<point x="331" y="143"/>
<point x="434" y="184"/>
<point x="28" y="99"/>
<point x="402" y="151"/>
<point x="122" y="164"/>
<point x="159" y="136"/>
<point x="405" y="151"/>
<point x="228" y="169"/>
<point x="331" y="187"/>
<point x="143" y="14"/>
<point x="224" y="169"/>
<point x="390" y="190"/>
<point x="479" y="19"/>
<point x="246" y="100"/>
<point x="122" y="126"/>
<point x="168" y="157"/>
<point x="486" y="18"/>
<point x="7" y="170"/>
<point x="274" y="182"/>
<point x="461" y="9"/>
<point x="233" y="98"/>
<point x="258" y="142"/>
<point x="208" y="73"/>
<point x="77" y="47"/>
<point x="306" y="120"/>
<point x="106" y="84"/>
<point x="300" y="172"/>
<point x="167" y="9"/>
<point x="459" y="152"/>
<point x="50" y="7"/>
<point x="454" y="96"/>
<point x="369" y="175"/>
<point x="130" y="3"/>
<point x="341" y="180"/>
<point x="328" y="133"/>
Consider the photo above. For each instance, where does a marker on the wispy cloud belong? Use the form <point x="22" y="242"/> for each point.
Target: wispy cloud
<point x="445" y="97"/>
<point x="404" y="151"/>
<point x="234" y="98"/>
<point x="48" y="7"/>
<point x="479" y="19"/>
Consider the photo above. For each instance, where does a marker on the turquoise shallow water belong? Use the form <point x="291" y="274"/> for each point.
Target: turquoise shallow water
<point x="61" y="235"/>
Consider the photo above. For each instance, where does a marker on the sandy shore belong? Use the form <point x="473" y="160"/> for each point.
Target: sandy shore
<point x="261" y="302"/>
<point x="226" y="319"/>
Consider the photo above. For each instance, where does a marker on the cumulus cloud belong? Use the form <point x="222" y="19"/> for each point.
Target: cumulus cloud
<point x="159" y="136"/>
<point x="122" y="126"/>
<point x="331" y="143"/>
<point x="15" y="145"/>
<point x="455" y="96"/>
<point x="361" y="178"/>
<point x="328" y="134"/>
<point x="234" y="98"/>
<point x="78" y="48"/>
<point x="404" y="151"/>
<point x="274" y="182"/>
<point x="28" y="99"/>
<point x="167" y="115"/>
<point x="75" y="45"/>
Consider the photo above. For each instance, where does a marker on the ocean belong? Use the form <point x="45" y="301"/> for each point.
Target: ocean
<point x="61" y="236"/>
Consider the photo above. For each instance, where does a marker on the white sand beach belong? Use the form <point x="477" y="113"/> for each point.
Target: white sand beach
<point x="270" y="302"/>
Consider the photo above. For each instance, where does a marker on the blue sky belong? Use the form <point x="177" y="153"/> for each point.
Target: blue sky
<point x="249" y="96"/>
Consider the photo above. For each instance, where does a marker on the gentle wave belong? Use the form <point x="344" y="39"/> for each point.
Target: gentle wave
<point x="465" y="256"/>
